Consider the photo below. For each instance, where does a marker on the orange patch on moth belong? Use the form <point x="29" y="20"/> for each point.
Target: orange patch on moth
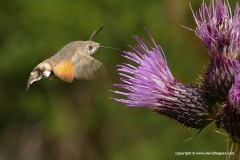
<point x="64" y="70"/>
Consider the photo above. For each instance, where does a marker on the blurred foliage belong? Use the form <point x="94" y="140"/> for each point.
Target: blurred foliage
<point x="57" y="120"/>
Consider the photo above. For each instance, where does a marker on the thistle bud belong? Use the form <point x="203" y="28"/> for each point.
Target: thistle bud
<point x="228" y="119"/>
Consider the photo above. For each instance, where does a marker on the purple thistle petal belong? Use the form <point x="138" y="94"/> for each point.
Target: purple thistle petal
<point x="218" y="29"/>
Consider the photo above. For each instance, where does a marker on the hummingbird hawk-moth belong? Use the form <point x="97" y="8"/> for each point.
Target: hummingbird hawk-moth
<point x="72" y="61"/>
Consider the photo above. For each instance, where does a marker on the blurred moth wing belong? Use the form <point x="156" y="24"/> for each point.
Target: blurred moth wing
<point x="87" y="67"/>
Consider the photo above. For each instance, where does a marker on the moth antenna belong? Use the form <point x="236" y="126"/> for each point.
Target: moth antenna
<point x="95" y="33"/>
<point x="110" y="48"/>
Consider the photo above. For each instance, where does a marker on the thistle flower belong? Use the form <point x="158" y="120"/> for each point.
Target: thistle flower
<point x="228" y="118"/>
<point x="149" y="83"/>
<point x="219" y="31"/>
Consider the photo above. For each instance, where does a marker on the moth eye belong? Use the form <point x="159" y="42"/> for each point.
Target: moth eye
<point x="90" y="47"/>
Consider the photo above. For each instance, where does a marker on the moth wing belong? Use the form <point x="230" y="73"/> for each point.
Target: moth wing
<point x="87" y="67"/>
<point x="64" y="70"/>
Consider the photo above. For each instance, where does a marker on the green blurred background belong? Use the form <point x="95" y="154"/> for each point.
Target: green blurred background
<point x="60" y="121"/>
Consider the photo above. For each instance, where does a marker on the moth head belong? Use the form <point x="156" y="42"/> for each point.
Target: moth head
<point x="88" y="47"/>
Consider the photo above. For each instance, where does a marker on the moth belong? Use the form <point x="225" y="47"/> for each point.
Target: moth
<point x="72" y="61"/>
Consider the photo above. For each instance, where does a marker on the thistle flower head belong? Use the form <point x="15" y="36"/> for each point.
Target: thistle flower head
<point x="234" y="93"/>
<point x="230" y="116"/>
<point x="218" y="79"/>
<point x="219" y="29"/>
<point x="149" y="83"/>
